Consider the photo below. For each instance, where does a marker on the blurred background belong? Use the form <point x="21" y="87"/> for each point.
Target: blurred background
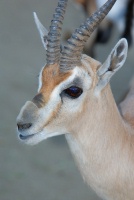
<point x="46" y="171"/>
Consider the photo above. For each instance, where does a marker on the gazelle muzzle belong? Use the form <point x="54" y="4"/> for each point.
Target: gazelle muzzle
<point x="27" y="116"/>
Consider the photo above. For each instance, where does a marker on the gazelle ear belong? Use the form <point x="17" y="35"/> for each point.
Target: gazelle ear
<point x="42" y="30"/>
<point x="113" y="63"/>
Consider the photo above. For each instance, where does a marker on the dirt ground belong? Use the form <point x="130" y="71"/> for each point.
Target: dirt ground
<point x="46" y="171"/>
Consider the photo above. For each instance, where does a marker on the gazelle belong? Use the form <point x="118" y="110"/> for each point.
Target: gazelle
<point x="74" y="98"/>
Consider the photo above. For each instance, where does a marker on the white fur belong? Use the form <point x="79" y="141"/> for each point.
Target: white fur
<point x="40" y="79"/>
<point x="100" y="139"/>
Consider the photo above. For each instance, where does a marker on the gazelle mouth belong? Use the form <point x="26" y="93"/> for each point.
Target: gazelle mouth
<point x="25" y="137"/>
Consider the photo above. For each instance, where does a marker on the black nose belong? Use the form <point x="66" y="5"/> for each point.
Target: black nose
<point x="23" y="127"/>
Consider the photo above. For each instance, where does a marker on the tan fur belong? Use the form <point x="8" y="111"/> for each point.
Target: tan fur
<point x="51" y="77"/>
<point x="101" y="141"/>
<point x="81" y="1"/>
<point x="103" y="148"/>
<point x="100" y="137"/>
<point x="53" y="115"/>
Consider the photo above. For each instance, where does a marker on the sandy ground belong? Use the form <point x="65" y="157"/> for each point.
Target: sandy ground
<point x="46" y="171"/>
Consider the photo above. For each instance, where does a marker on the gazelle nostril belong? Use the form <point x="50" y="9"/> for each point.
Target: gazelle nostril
<point x="22" y="127"/>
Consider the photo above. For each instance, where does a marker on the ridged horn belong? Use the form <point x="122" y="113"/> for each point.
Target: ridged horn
<point x="54" y="34"/>
<point x="71" y="53"/>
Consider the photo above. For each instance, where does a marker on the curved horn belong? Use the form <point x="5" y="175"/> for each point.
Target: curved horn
<point x="71" y="54"/>
<point x="54" y="34"/>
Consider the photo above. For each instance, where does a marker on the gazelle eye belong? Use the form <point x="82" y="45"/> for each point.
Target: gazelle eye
<point x="73" y="92"/>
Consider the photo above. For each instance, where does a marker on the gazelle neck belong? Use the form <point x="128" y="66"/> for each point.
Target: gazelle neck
<point x="99" y="143"/>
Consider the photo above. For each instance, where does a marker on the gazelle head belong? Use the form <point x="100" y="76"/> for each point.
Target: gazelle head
<point x="68" y="80"/>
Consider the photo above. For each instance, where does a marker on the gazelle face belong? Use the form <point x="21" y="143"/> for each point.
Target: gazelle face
<point x="62" y="95"/>
<point x="59" y="100"/>
<point x="67" y="79"/>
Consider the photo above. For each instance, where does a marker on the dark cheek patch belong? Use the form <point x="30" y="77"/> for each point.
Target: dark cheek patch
<point x="39" y="100"/>
<point x="51" y="77"/>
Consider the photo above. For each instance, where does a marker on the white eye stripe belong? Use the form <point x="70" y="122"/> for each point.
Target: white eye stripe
<point x="76" y="73"/>
<point x="63" y="85"/>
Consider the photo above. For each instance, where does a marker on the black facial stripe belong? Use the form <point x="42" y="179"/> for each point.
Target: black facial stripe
<point x="38" y="100"/>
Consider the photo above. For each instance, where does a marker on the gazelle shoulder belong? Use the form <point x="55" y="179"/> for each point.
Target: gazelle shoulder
<point x="126" y="107"/>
